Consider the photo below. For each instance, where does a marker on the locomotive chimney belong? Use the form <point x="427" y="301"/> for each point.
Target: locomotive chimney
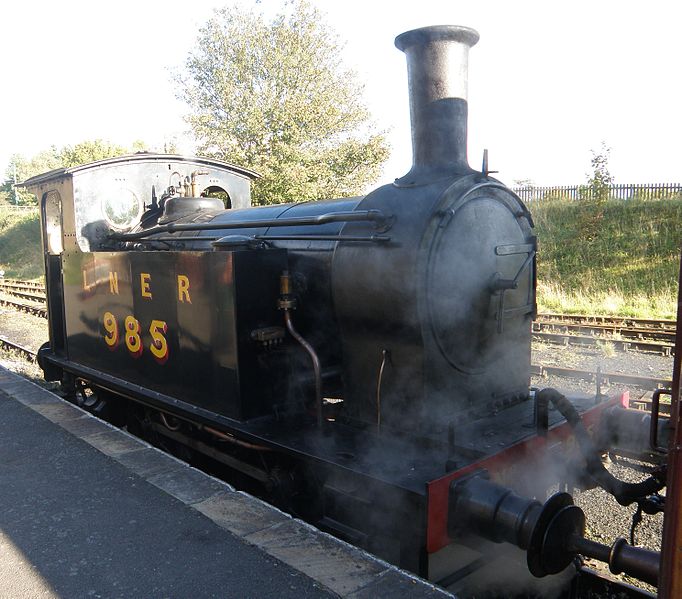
<point x="437" y="71"/>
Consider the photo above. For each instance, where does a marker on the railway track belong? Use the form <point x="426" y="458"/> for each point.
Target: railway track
<point x="626" y="344"/>
<point x="24" y="289"/>
<point x="615" y="331"/>
<point x="25" y="352"/>
<point x="34" y="297"/>
<point x="622" y="333"/>
<point x="33" y="294"/>
<point x="609" y="321"/>
<point x="29" y="286"/>
<point x="32" y="308"/>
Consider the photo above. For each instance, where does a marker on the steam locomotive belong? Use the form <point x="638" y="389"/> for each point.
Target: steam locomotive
<point x="365" y="361"/>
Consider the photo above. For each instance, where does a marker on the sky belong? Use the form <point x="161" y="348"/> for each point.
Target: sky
<point x="549" y="82"/>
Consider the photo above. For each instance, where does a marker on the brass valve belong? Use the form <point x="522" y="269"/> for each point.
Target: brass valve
<point x="286" y="300"/>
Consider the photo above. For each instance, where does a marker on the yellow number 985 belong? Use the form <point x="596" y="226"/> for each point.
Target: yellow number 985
<point x="111" y="327"/>
<point x="133" y="340"/>
<point x="159" y="346"/>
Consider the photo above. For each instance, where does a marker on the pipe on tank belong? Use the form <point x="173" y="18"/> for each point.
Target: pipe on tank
<point x="437" y="69"/>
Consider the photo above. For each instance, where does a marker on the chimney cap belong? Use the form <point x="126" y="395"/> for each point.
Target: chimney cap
<point x="435" y="33"/>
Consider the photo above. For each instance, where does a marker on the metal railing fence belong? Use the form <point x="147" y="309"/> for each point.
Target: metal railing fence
<point x="621" y="191"/>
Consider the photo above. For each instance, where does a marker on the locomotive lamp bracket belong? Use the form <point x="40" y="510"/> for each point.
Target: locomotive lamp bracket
<point x="485" y="171"/>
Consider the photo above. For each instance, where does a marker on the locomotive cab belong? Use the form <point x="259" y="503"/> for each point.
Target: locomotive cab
<point x="97" y="295"/>
<point x="120" y="194"/>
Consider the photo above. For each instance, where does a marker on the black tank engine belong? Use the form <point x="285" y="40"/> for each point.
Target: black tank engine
<point x="365" y="360"/>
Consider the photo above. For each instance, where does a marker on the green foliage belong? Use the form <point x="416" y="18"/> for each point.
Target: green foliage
<point x="275" y="97"/>
<point x="20" y="249"/>
<point x="589" y="212"/>
<point x="90" y="151"/>
<point x="600" y="180"/>
<point x="625" y="260"/>
<point x="53" y="158"/>
<point x="40" y="163"/>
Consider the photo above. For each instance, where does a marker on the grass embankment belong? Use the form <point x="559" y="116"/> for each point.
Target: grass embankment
<point x="20" y="250"/>
<point x="618" y="257"/>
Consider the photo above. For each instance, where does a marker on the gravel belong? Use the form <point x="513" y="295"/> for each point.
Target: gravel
<point x="27" y="330"/>
<point x="23" y="328"/>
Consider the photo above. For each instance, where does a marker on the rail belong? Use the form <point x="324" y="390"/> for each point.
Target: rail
<point x="566" y="339"/>
<point x="624" y="321"/>
<point x="25" y="352"/>
<point x="35" y="309"/>
<point x="605" y="331"/>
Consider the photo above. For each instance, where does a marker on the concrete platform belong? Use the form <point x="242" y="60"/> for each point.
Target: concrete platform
<point x="87" y="510"/>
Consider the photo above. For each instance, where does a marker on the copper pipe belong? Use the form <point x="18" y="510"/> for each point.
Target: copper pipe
<point x="175" y="427"/>
<point x="232" y="439"/>
<point x="315" y="360"/>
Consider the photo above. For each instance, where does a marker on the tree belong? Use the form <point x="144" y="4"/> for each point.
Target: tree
<point x="600" y="180"/>
<point x="90" y="151"/>
<point x="275" y="97"/>
<point x="594" y="195"/>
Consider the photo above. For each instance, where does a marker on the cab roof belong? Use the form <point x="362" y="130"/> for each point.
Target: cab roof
<point x="59" y="173"/>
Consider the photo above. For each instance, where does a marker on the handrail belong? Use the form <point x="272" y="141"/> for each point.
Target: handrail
<point x="380" y="220"/>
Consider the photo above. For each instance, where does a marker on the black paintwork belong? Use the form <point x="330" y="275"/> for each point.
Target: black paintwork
<point x="212" y="361"/>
